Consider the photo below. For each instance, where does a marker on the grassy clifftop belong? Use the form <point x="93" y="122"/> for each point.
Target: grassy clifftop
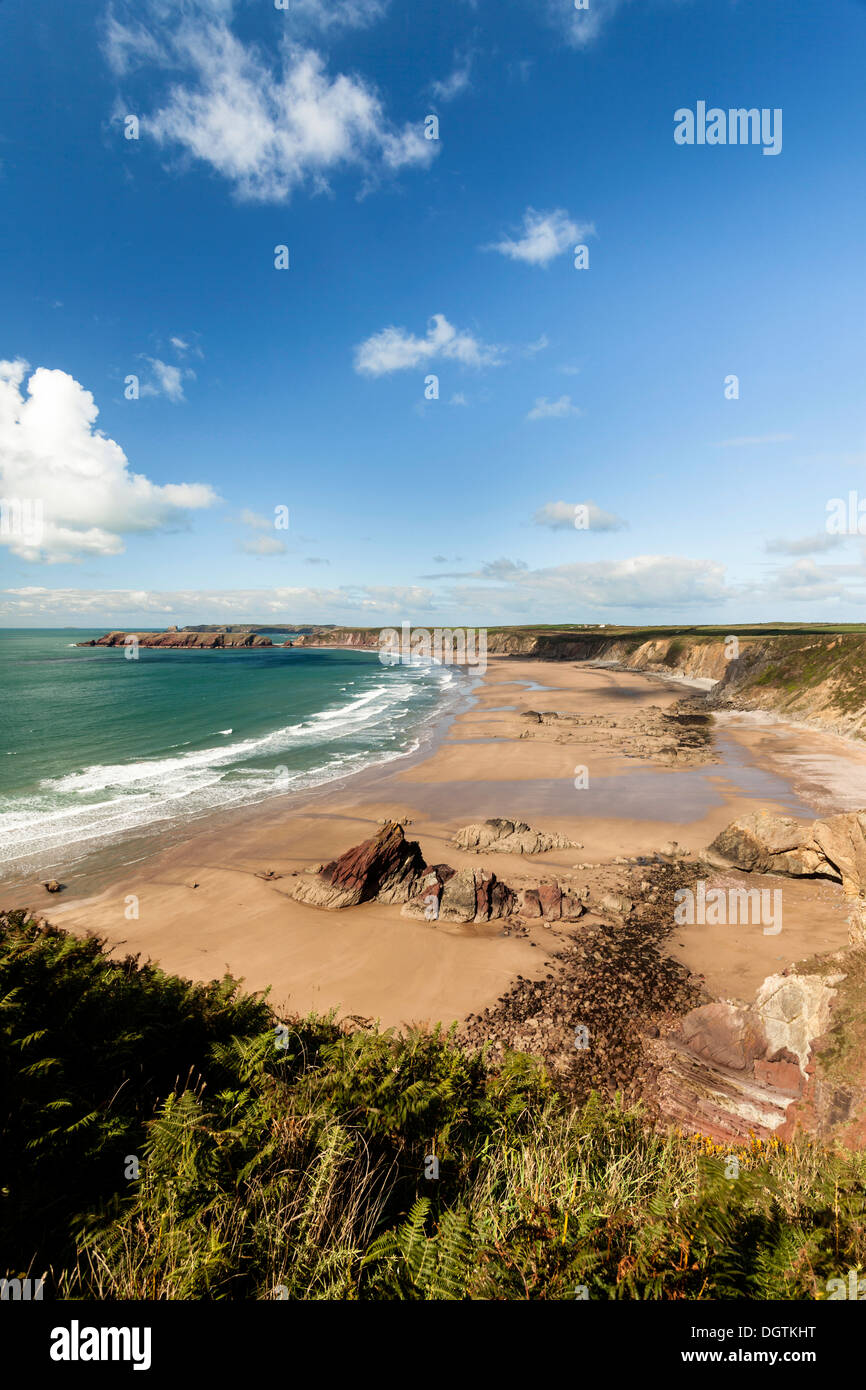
<point x="295" y="1160"/>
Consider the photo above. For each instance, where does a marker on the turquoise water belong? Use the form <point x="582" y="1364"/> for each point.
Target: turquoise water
<point x="95" y="747"/>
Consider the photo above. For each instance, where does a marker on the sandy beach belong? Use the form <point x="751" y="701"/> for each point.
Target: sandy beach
<point x="202" y="908"/>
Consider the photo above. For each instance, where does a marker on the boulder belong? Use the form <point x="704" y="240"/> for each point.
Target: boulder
<point x="387" y="867"/>
<point x="766" y="843"/>
<point x="469" y="895"/>
<point x="52" y="886"/>
<point x="508" y="837"/>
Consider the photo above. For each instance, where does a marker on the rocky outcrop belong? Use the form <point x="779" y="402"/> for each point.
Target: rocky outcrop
<point x="765" y="843"/>
<point x="387" y="867"/>
<point x="391" y="869"/>
<point x="508" y="837"/>
<point x="733" y="1070"/>
<point x="680" y="736"/>
<point x="474" y="895"/>
<point x="210" y="641"/>
<point x="834" y="848"/>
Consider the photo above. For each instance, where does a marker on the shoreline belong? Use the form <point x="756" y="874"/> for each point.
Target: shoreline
<point x="203" y="910"/>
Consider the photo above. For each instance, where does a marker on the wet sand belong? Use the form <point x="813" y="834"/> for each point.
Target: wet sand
<point x="201" y="909"/>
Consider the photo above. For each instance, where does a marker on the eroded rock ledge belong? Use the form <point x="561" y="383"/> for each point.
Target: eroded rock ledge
<point x="499" y="836"/>
<point x="681" y="735"/>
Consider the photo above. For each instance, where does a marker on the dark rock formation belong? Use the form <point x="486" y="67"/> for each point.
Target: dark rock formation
<point x="387" y="867"/>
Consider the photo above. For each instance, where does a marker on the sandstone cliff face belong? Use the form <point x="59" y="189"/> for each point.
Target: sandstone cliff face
<point x="815" y="679"/>
<point x="733" y="1070"/>
<point x="730" y="1069"/>
<point x="366" y="639"/>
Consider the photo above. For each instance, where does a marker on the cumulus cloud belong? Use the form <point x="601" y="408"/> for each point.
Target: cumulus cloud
<point x="804" y="545"/>
<point x="267" y="122"/>
<point x="545" y="236"/>
<point x="639" y="582"/>
<point x="552" y="410"/>
<point x="560" y="516"/>
<point x="52" y="453"/>
<point x="806" y="582"/>
<point x="395" y="349"/>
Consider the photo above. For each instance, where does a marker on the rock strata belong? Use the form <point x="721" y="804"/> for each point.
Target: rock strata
<point x="387" y="867"/>
<point x="732" y="1070"/>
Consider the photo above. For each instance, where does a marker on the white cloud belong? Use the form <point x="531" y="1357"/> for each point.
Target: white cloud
<point x="559" y="516"/>
<point x="552" y="410"/>
<point x="264" y="545"/>
<point x="640" y="582"/>
<point x="256" y="520"/>
<point x="804" y="545"/>
<point x="262" y="541"/>
<point x="539" y="345"/>
<point x="806" y="582"/>
<point x="457" y="81"/>
<point x="745" y="440"/>
<point x="337" y="14"/>
<point x="179" y="345"/>
<point x="51" y="452"/>
<point x="362" y="604"/>
<point x="546" y="235"/>
<point x="268" y="123"/>
<point x="167" y="380"/>
<point x="582" y="27"/>
<point x="395" y="349"/>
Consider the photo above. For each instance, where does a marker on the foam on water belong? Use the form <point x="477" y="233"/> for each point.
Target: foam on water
<point x="78" y="811"/>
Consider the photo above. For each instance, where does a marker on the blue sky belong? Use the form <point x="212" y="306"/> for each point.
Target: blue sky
<point x="304" y="388"/>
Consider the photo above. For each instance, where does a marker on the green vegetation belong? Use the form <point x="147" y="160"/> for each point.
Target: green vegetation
<point x="299" y="1170"/>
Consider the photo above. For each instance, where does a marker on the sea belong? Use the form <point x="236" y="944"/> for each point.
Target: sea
<point x="98" y="750"/>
